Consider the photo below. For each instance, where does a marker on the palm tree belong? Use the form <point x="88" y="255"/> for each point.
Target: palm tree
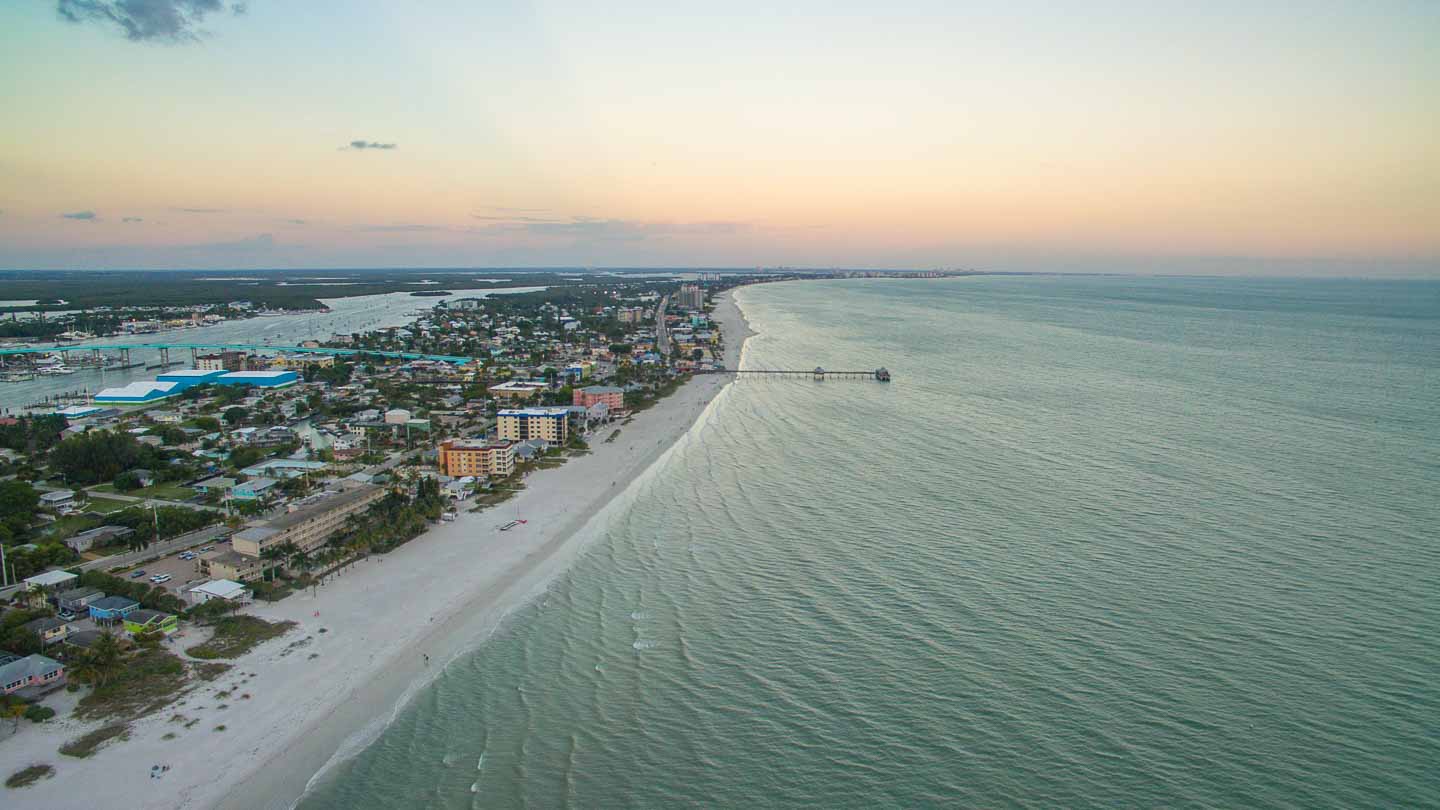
<point x="16" y="711"/>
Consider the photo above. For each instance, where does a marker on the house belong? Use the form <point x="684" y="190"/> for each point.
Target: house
<point x="143" y="476"/>
<point x="218" y="484"/>
<point x="112" y="608"/>
<point x="49" y="630"/>
<point x="150" y="621"/>
<point x="220" y="589"/>
<point x="32" y="675"/>
<point x="98" y="536"/>
<point x="460" y="488"/>
<point x="61" y="499"/>
<point x="530" y="449"/>
<point x="254" y="489"/>
<point x="78" y="600"/>
<point x="49" y="581"/>
<point x="84" y="639"/>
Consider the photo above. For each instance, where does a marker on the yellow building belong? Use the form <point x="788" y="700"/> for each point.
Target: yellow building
<point x="521" y="424"/>
<point x="459" y="458"/>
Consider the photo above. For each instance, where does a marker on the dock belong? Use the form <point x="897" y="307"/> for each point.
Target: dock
<point x="817" y="374"/>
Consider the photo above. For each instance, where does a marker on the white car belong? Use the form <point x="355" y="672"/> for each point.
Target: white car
<point x="161" y="579"/>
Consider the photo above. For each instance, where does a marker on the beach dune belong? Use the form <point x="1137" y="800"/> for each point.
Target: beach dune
<point x="366" y="640"/>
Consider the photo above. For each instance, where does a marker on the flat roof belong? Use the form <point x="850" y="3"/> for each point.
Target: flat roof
<point x="552" y="411"/>
<point x="333" y="502"/>
<point x="50" y="578"/>
<point x="223" y="588"/>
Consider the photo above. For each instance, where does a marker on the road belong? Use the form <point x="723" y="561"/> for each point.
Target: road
<point x="662" y="335"/>
<point x="201" y="537"/>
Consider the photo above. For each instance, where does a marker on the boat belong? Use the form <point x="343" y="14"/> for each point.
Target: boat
<point x="508" y="526"/>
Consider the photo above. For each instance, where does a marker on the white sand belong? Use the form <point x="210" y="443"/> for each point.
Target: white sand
<point x="439" y="595"/>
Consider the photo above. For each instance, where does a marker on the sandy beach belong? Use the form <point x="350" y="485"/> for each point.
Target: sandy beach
<point x="358" y="652"/>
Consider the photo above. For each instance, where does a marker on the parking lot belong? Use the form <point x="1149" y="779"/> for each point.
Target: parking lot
<point x="183" y="573"/>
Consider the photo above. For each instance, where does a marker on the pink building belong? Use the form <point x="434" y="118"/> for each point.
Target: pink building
<point x="614" y="398"/>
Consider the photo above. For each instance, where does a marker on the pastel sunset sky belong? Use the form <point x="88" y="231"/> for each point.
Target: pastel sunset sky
<point x="1020" y="135"/>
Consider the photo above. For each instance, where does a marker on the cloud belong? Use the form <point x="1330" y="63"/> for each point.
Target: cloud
<point x="399" y="228"/>
<point x="132" y="219"/>
<point x="201" y="210"/>
<point x="506" y="210"/>
<point x="514" y="219"/>
<point x="297" y="221"/>
<point x="87" y="216"/>
<point x="148" y="20"/>
<point x="593" y="229"/>
<point x="362" y="145"/>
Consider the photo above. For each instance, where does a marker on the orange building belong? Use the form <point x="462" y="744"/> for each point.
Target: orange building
<point x="614" y="398"/>
<point x="459" y="457"/>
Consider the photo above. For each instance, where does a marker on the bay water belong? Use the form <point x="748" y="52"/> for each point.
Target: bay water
<point x="1103" y="542"/>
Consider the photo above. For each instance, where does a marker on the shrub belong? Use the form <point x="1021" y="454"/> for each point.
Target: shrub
<point x="39" y="714"/>
<point x="29" y="776"/>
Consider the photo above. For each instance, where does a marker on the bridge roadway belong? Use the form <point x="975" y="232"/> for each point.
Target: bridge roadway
<point x="252" y="347"/>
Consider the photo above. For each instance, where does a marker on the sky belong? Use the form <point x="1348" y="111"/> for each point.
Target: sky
<point x="1107" y="136"/>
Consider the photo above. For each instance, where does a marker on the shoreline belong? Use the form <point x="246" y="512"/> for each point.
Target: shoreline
<point x="321" y="697"/>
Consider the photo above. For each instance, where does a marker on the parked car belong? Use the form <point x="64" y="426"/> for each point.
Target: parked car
<point x="162" y="579"/>
<point x="66" y="615"/>
<point x="137" y="574"/>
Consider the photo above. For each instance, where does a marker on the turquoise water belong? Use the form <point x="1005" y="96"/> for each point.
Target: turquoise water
<point x="1103" y="543"/>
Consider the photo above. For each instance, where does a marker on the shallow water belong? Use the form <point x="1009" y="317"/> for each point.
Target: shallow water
<point x="1103" y="542"/>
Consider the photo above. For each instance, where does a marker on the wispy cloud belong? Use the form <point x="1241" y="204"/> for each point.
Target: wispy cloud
<point x="596" y="229"/>
<point x="514" y="219"/>
<point x="399" y="228"/>
<point x="148" y="20"/>
<point x="504" y="210"/>
<point x="132" y="219"/>
<point x="297" y="222"/>
<point x="364" y="145"/>
<point x="86" y="216"/>
<point x="201" y="210"/>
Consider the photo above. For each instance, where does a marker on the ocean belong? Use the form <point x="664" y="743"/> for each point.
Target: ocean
<point x="1103" y="542"/>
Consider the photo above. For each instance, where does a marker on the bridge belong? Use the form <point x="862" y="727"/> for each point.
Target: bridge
<point x="164" y="349"/>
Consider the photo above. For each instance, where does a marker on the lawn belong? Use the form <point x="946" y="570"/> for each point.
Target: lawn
<point x="236" y="635"/>
<point x="164" y="492"/>
<point x="105" y="505"/>
<point x="69" y="525"/>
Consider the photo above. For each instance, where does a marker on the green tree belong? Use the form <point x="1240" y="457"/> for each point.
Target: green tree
<point x="234" y="416"/>
<point x="99" y="455"/>
<point x="18" y="502"/>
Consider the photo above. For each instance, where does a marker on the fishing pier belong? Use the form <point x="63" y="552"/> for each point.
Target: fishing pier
<point x="817" y="374"/>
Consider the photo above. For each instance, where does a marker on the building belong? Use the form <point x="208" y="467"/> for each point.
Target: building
<point x="49" y="630"/>
<point x="225" y="589"/>
<point x="112" y="608"/>
<point x="33" y="674"/>
<point x="550" y="424"/>
<point x="189" y="377"/>
<point x="254" y="489"/>
<point x="98" y="536"/>
<point x="459" y="457"/>
<point x="228" y="565"/>
<point x="151" y="621"/>
<point x="260" y="379"/>
<point x="211" y="362"/>
<point x="397" y="416"/>
<point x="77" y="600"/>
<point x="614" y="398"/>
<point x="309" y="526"/>
<point x="49" y="581"/>
<point x="138" y="393"/>
<point x="691" y="296"/>
<point x="61" y="499"/>
<point x="630" y="314"/>
<point x="517" y="389"/>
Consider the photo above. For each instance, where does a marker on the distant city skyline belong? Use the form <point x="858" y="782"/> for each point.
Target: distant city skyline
<point x="1118" y="137"/>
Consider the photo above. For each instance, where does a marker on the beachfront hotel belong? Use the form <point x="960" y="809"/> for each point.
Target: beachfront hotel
<point x="613" y="397"/>
<point x="308" y="528"/>
<point x="459" y="457"/>
<point x="522" y="424"/>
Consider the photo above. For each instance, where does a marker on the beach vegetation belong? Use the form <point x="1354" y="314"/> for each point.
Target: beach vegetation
<point x="83" y="746"/>
<point x="39" y="714"/>
<point x="25" y="777"/>
<point x="138" y="685"/>
<point x="236" y="635"/>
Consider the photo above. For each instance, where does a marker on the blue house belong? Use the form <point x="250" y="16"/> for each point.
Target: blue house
<point x="254" y="489"/>
<point x="112" y="608"/>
